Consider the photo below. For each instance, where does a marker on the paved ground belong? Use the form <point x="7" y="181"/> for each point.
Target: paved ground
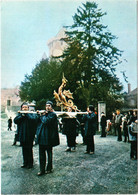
<point x="108" y="171"/>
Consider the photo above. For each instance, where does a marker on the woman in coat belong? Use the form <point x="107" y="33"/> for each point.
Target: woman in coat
<point x="103" y="124"/>
<point x="133" y="131"/>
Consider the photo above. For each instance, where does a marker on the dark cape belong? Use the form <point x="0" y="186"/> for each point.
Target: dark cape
<point x="90" y="121"/>
<point x="47" y="130"/>
<point x="26" y="127"/>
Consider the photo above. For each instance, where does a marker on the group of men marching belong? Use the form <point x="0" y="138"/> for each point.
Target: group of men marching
<point x="45" y="126"/>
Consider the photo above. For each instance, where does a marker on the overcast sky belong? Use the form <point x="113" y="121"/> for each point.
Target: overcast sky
<point x="26" y="26"/>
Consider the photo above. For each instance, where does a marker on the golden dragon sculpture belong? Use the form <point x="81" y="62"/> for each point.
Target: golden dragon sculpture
<point x="62" y="95"/>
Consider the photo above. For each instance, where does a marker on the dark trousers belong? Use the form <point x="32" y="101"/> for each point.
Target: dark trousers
<point x="133" y="152"/>
<point x="27" y="151"/>
<point x="71" y="140"/>
<point x="126" y="138"/>
<point x="119" y="132"/>
<point x="103" y="134"/>
<point x="114" y="129"/>
<point x="9" y="128"/>
<point x="90" y="144"/>
<point x="42" y="157"/>
<point x="125" y="130"/>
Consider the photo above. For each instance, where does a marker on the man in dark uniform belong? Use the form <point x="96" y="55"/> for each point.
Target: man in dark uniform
<point x="90" y="129"/>
<point x="70" y="126"/>
<point x="26" y="132"/>
<point x="47" y="137"/>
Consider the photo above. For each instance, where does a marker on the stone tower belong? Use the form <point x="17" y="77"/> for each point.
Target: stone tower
<point x="56" y="45"/>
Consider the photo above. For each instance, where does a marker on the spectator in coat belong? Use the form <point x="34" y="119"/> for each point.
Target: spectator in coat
<point x="113" y="126"/>
<point x="90" y="129"/>
<point x="70" y="130"/>
<point x="118" y="123"/>
<point x="10" y="124"/>
<point x="47" y="137"/>
<point x="131" y="117"/>
<point x="103" y="124"/>
<point x="125" y="127"/>
<point x="26" y="133"/>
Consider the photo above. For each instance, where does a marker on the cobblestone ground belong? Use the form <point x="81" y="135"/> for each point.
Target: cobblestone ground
<point x="108" y="171"/>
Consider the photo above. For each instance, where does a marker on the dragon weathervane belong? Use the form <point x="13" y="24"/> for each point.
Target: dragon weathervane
<point x="62" y="95"/>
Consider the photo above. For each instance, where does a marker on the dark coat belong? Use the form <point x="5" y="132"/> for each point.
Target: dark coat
<point x="9" y="122"/>
<point x="90" y="124"/>
<point x="103" y="121"/>
<point x="47" y="130"/>
<point x="131" y="119"/>
<point x="25" y="127"/>
<point x="125" y="128"/>
<point x="70" y="126"/>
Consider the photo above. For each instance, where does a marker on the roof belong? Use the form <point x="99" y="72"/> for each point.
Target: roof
<point x="134" y="92"/>
<point x="60" y="34"/>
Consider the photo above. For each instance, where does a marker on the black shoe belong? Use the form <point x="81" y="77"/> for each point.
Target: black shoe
<point x="91" y="153"/>
<point x="73" y="149"/>
<point x="86" y="152"/>
<point x="49" y="171"/>
<point x="29" y="166"/>
<point x="68" y="150"/>
<point x="40" y="173"/>
<point x="132" y="158"/>
<point x="24" y="166"/>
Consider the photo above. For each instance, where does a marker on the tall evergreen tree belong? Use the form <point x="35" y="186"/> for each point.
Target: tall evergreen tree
<point x="90" y="61"/>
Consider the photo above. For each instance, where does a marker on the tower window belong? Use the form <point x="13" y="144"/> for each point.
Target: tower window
<point x="8" y="102"/>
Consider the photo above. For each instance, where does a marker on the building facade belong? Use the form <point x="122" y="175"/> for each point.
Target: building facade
<point x="131" y="98"/>
<point x="10" y="99"/>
